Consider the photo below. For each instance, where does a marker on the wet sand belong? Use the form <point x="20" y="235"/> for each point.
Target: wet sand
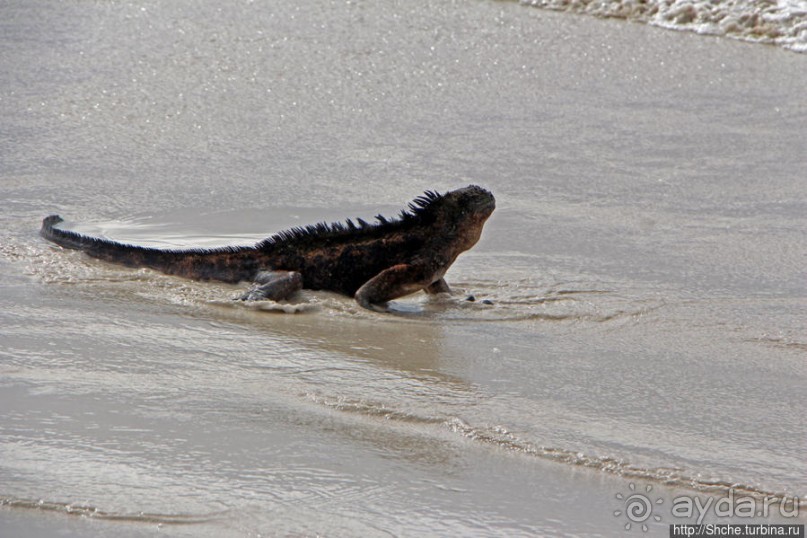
<point x="645" y="261"/>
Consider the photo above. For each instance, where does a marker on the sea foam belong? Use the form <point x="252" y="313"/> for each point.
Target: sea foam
<point x="776" y="22"/>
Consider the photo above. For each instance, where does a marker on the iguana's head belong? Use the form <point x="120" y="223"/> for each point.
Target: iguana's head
<point x="466" y="211"/>
<point x="474" y="199"/>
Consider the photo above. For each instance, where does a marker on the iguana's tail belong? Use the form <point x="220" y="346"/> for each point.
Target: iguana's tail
<point x="228" y="264"/>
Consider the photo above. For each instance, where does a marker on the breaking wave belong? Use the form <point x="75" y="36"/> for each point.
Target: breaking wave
<point x="500" y="437"/>
<point x="775" y="22"/>
<point x="96" y="513"/>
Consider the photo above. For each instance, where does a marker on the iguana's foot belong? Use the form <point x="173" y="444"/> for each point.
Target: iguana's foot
<point x="274" y="286"/>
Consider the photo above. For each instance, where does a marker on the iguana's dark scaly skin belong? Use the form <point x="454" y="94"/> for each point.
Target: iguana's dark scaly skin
<point x="374" y="263"/>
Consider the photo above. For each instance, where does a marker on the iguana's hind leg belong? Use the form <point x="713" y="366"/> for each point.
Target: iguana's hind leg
<point x="397" y="281"/>
<point x="274" y="285"/>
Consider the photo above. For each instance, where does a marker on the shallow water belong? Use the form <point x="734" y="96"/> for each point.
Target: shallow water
<point x="645" y="261"/>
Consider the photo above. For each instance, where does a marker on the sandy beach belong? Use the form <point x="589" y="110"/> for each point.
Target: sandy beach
<point x="645" y="265"/>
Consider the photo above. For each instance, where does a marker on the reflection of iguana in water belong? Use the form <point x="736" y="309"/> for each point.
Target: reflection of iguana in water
<point x="372" y="262"/>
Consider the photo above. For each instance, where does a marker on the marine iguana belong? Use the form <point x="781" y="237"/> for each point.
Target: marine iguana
<point x="372" y="262"/>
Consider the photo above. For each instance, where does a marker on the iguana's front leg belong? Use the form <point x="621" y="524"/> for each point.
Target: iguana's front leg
<point x="438" y="286"/>
<point x="397" y="281"/>
<point x="274" y="285"/>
